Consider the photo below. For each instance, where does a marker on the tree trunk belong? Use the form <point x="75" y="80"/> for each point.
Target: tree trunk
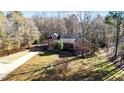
<point x="117" y="37"/>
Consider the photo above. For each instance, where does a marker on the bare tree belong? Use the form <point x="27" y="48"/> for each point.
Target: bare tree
<point x="84" y="18"/>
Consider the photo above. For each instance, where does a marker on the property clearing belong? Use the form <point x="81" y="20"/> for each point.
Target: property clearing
<point x="67" y="68"/>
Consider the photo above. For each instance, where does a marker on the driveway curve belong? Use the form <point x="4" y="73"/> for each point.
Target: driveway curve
<point x="5" y="69"/>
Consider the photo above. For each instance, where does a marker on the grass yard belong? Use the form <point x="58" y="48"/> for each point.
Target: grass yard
<point x="12" y="57"/>
<point x="67" y="68"/>
<point x="36" y="62"/>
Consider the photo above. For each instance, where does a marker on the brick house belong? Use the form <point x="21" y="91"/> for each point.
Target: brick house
<point x="71" y="43"/>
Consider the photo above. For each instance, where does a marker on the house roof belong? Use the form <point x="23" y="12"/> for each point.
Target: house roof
<point x="69" y="36"/>
<point x="73" y="40"/>
<point x="55" y="34"/>
<point x="68" y="40"/>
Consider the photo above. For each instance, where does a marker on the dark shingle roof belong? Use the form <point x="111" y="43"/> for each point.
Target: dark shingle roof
<point x="68" y="40"/>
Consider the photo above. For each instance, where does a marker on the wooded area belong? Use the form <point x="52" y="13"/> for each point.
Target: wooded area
<point x="19" y="32"/>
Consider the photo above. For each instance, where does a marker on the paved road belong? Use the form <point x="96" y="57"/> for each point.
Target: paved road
<point x="5" y="69"/>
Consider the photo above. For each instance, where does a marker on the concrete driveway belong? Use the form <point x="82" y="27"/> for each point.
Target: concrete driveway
<point x="5" y="69"/>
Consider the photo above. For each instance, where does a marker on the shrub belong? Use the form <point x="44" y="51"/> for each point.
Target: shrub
<point x="50" y="71"/>
<point x="7" y="44"/>
<point x="16" y="45"/>
<point x="35" y="42"/>
<point x="58" y="45"/>
<point x="43" y="37"/>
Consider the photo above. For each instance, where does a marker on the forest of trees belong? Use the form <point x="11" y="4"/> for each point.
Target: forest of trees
<point x="18" y="31"/>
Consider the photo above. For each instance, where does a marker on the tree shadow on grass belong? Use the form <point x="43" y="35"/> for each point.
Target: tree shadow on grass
<point x="59" y="70"/>
<point x="91" y="74"/>
<point x="39" y="48"/>
<point x="46" y="53"/>
<point x="41" y="69"/>
<point x="61" y="54"/>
